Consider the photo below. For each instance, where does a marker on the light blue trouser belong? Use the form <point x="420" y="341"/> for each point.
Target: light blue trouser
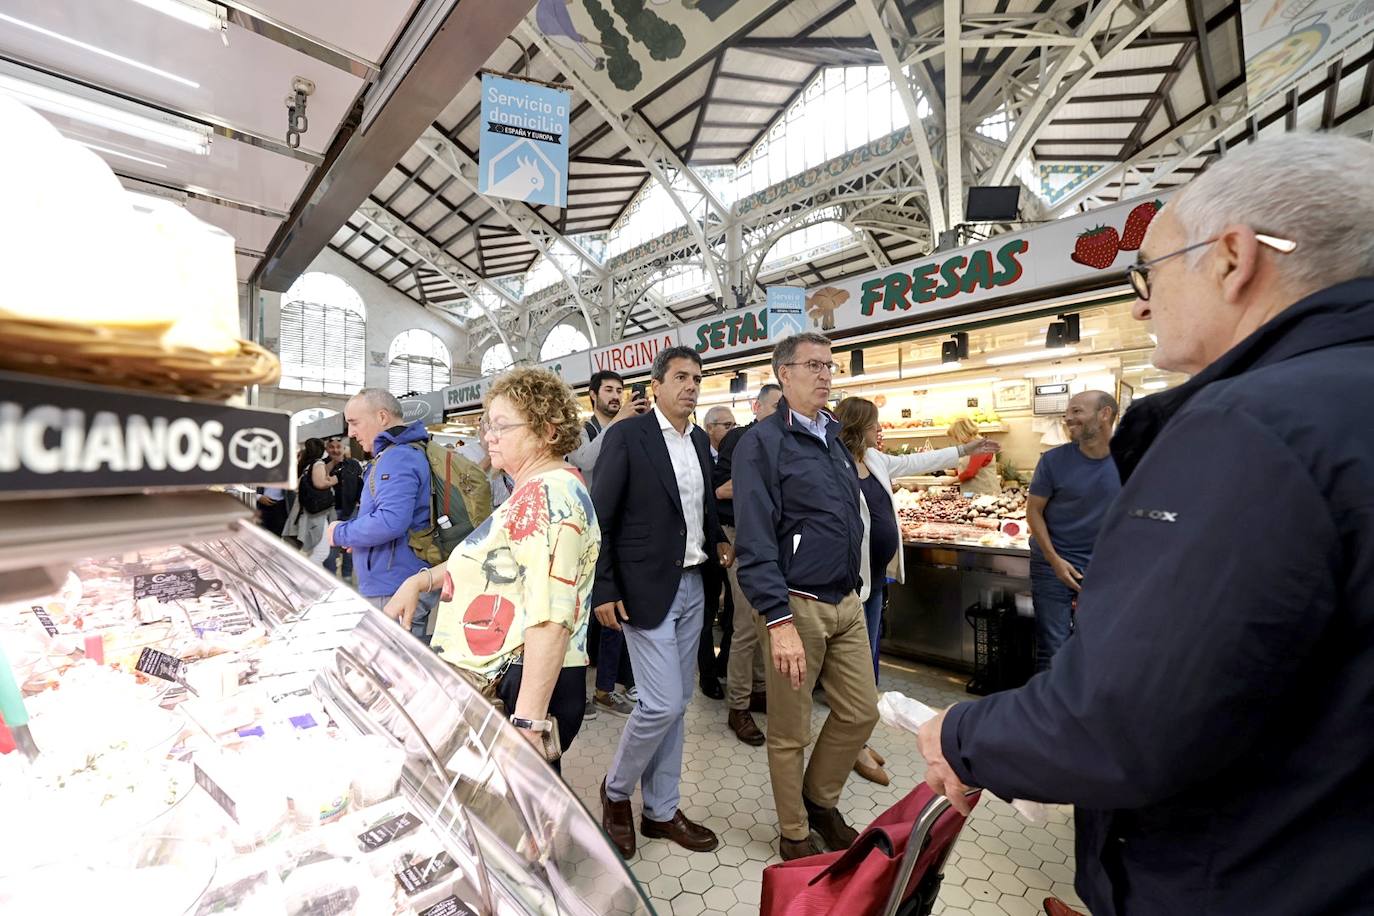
<point x="665" y="663"/>
<point x="418" y="624"/>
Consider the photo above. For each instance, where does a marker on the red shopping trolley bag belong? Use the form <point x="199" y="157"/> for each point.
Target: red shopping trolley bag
<point x="893" y="868"/>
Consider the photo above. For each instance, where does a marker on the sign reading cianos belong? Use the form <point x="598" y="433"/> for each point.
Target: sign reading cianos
<point x="523" y="147"/>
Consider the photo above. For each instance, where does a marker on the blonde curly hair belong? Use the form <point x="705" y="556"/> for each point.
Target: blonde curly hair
<point x="542" y="399"/>
<point x="963" y="430"/>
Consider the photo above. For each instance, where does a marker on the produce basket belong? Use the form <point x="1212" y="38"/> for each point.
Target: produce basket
<point x="131" y="358"/>
<point x="1003" y="644"/>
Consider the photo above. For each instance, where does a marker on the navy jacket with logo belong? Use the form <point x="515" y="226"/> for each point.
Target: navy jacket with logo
<point x="797" y="524"/>
<point x="1213" y="716"/>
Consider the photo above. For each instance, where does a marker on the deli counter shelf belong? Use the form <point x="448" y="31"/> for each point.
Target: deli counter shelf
<point x="207" y="722"/>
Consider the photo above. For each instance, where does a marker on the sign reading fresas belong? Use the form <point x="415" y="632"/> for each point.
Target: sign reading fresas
<point x="57" y="436"/>
<point x="635" y="355"/>
<point x="1061" y="252"/>
<point x="523" y="147"/>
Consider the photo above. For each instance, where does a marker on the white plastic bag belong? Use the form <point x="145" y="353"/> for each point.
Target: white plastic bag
<point x="900" y="711"/>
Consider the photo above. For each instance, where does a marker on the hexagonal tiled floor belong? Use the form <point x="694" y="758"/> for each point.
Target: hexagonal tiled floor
<point x="1001" y="866"/>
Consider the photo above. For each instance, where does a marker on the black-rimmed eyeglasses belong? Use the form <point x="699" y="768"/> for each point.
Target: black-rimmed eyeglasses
<point x="1139" y="274"/>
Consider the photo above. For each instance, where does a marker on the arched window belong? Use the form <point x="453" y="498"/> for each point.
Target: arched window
<point x="497" y="359"/>
<point x="323" y="335"/>
<point x="563" y="340"/>
<point x="417" y="361"/>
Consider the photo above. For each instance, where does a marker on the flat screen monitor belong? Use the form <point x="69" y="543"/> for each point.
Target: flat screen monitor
<point x="998" y="204"/>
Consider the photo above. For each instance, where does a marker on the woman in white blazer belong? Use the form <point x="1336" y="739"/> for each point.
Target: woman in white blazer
<point x="882" y="543"/>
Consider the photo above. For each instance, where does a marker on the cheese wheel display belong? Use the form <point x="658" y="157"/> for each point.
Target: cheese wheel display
<point x="143" y="263"/>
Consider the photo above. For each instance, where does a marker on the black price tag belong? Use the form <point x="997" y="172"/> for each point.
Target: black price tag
<point x="42" y="614"/>
<point x="425" y="874"/>
<point x="159" y="664"/>
<point x="449" y="906"/>
<point x="219" y="795"/>
<point x="174" y="585"/>
<point x="388" y="830"/>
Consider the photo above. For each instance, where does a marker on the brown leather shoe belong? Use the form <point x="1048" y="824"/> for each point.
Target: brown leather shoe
<point x="797" y="849"/>
<point x="618" y="820"/>
<point x="828" y="822"/>
<point x="681" y="831"/>
<point x="745" y="728"/>
<point x="758" y="702"/>
<point x="1056" y="907"/>
<point x="868" y="767"/>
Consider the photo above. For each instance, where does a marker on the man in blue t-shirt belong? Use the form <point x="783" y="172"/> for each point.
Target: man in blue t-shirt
<point x="1073" y="486"/>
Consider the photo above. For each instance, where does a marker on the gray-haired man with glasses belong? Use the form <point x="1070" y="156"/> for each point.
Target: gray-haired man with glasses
<point x="1210" y="717"/>
<point x="799" y="537"/>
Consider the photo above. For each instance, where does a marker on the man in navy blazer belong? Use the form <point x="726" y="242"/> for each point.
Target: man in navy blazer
<point x="657" y="512"/>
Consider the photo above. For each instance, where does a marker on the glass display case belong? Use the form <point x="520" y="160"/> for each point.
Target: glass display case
<point x="199" y="720"/>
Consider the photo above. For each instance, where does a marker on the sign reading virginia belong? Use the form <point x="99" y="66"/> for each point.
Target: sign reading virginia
<point x="523" y="153"/>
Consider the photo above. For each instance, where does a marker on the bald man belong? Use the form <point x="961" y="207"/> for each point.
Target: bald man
<point x="719" y="420"/>
<point x="1073" y="487"/>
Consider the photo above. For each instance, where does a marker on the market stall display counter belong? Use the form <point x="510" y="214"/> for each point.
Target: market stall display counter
<point x="202" y="721"/>
<point x="959" y="552"/>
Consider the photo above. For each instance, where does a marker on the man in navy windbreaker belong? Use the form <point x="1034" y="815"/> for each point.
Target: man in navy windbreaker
<point x="1213" y="717"/>
<point x="396" y="501"/>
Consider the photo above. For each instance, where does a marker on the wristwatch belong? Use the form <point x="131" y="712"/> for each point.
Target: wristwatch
<point x="538" y="726"/>
<point x="547" y="730"/>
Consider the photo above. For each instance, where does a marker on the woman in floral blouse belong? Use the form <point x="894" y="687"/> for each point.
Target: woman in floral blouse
<point x="516" y="593"/>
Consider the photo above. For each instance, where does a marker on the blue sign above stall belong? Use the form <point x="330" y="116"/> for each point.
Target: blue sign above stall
<point x="523" y="153"/>
<point x="786" y="311"/>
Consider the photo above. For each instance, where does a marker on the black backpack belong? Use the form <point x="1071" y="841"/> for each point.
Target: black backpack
<point x="313" y="499"/>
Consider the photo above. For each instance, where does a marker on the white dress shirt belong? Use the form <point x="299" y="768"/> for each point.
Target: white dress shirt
<point x="691" y="487"/>
<point x="815" y="427"/>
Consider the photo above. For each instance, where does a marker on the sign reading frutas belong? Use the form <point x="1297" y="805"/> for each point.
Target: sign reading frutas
<point x="523" y="150"/>
<point x="57" y="436"/>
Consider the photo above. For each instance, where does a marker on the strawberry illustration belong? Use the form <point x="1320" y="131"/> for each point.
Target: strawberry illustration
<point x="1097" y="247"/>
<point x="1136" y="224"/>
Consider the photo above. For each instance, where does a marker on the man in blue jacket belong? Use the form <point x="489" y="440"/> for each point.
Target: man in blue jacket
<point x="396" y="501"/>
<point x="1211" y="717"/>
<point x="799" y="540"/>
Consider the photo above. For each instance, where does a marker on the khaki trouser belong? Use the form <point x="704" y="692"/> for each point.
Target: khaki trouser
<point x="837" y="652"/>
<point x="745" y="674"/>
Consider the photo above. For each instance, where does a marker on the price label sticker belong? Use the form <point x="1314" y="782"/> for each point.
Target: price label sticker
<point x="449" y="906"/>
<point x="388" y="830"/>
<point x="42" y="614"/>
<point x="425" y="874"/>
<point x="159" y="664"/>
<point x="219" y="795"/>
<point x="174" y="585"/>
